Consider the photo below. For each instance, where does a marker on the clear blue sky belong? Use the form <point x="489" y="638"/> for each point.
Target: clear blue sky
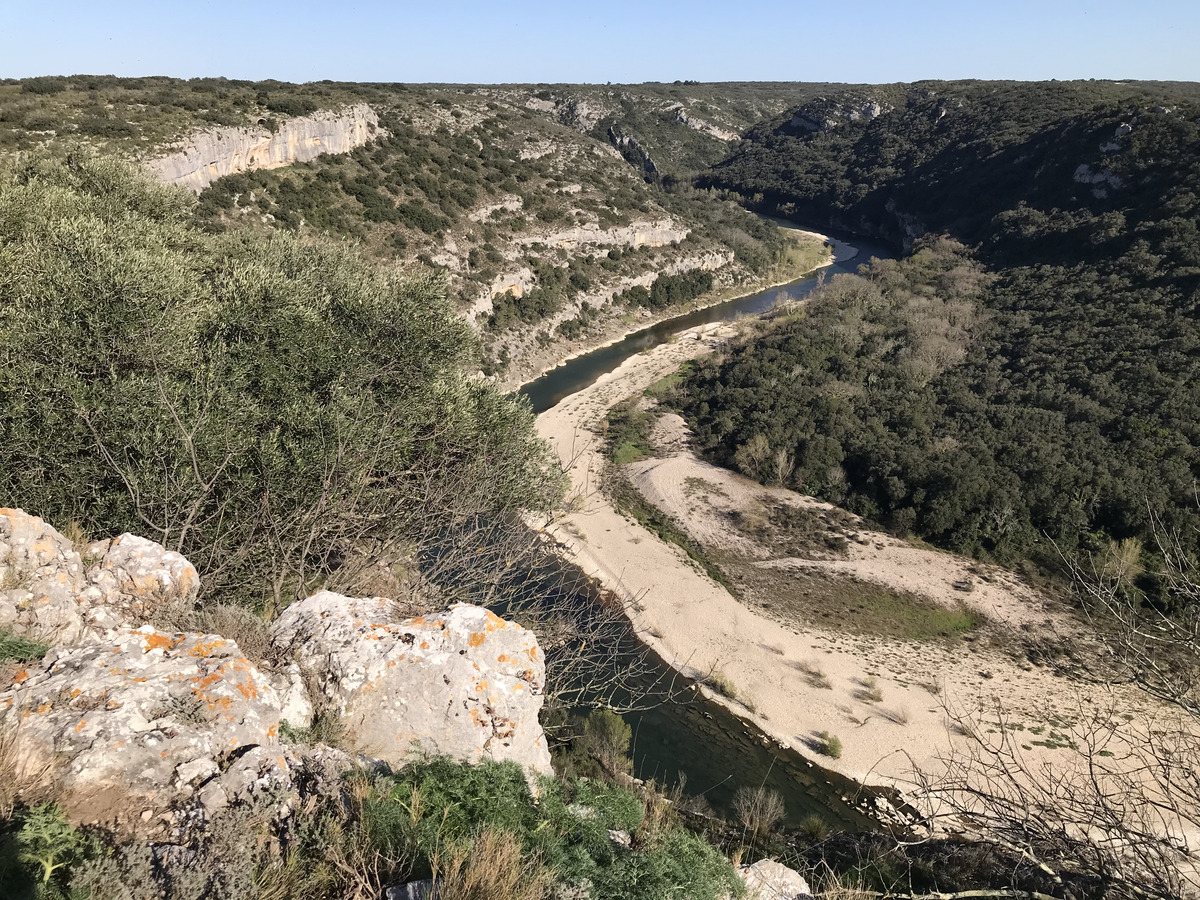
<point x="619" y="41"/>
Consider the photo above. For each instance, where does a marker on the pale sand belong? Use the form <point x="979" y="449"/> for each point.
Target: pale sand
<point x="698" y="627"/>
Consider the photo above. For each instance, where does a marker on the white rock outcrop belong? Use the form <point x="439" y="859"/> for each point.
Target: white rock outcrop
<point x="770" y="880"/>
<point x="137" y="726"/>
<point x="704" y="127"/>
<point x="205" y="156"/>
<point x="464" y="684"/>
<point x="46" y="593"/>
<point x="41" y="577"/>
<point x="138" y="575"/>
<point x="150" y="731"/>
<point x="636" y="234"/>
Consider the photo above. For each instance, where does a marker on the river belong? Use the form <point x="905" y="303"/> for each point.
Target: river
<point x="716" y="751"/>
<point x="578" y="372"/>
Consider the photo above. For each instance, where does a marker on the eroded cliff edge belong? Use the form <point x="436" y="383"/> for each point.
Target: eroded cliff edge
<point x="204" y="156"/>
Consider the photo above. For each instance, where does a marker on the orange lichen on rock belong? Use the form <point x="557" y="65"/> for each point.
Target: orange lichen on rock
<point x="204" y="648"/>
<point x="80" y="726"/>
<point x="156" y="641"/>
<point x="247" y="688"/>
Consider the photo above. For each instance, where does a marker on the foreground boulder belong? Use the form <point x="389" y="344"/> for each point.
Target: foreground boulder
<point x="464" y="684"/>
<point x="46" y="593"/>
<point x="148" y="725"/>
<point x="41" y="580"/>
<point x="138" y="576"/>
<point x="769" y="880"/>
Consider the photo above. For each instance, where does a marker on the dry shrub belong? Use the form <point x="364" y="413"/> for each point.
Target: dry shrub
<point x="869" y="691"/>
<point x="721" y="683"/>
<point x="814" y="675"/>
<point x="492" y="869"/>
<point x="897" y="715"/>
<point x="28" y="779"/>
<point x="231" y="621"/>
<point x="760" y="808"/>
<point x="830" y="885"/>
<point x="77" y="536"/>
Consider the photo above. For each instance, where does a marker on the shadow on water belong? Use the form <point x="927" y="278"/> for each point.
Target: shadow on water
<point x="577" y="373"/>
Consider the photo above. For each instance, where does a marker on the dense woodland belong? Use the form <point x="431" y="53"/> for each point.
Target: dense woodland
<point x="1040" y="382"/>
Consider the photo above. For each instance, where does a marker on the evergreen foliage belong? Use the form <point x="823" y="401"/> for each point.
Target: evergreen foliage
<point x="1071" y="404"/>
<point x="264" y="407"/>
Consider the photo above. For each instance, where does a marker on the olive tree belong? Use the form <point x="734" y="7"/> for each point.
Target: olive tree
<point x="276" y="409"/>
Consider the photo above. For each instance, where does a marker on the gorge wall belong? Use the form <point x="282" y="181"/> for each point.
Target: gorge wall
<point x="204" y="156"/>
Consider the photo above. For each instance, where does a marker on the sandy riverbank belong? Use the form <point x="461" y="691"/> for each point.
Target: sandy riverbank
<point x="699" y="627"/>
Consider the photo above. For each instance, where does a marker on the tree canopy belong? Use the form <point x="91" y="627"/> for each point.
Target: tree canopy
<point x="268" y="408"/>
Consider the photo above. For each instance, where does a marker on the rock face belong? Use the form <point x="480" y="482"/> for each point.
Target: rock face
<point x="769" y="880"/>
<point x="824" y="115"/>
<point x="147" y="721"/>
<point x="464" y="684"/>
<point x="206" y="155"/>
<point x="138" y="576"/>
<point x="41" y="577"/>
<point x="697" y="124"/>
<point x="636" y="234"/>
<point x="45" y="592"/>
<point x="633" y="152"/>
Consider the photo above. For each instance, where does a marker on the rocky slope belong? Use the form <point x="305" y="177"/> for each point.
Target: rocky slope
<point x="206" y="155"/>
<point x="557" y="191"/>
<point x="146" y="729"/>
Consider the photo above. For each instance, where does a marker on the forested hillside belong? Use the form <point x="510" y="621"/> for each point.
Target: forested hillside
<point x="1069" y="407"/>
<point x="538" y="204"/>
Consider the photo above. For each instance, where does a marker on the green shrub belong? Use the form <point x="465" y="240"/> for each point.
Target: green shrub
<point x="260" y="406"/>
<point x="430" y="808"/>
<point x="830" y="745"/>
<point x="14" y="648"/>
<point x="38" y="848"/>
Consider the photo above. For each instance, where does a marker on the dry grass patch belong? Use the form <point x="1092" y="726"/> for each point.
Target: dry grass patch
<point x="814" y="675"/>
<point x="492" y="868"/>
<point x="869" y="690"/>
<point x="817" y="600"/>
<point x="24" y="778"/>
<point x="721" y="683"/>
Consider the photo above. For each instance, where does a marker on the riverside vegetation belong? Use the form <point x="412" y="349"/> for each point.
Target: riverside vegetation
<point x="249" y="377"/>
<point x="1038" y="381"/>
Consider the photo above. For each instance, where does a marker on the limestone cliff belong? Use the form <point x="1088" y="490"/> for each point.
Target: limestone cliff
<point x="205" y="156"/>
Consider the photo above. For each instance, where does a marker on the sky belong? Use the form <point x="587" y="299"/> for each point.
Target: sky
<point x="470" y="41"/>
